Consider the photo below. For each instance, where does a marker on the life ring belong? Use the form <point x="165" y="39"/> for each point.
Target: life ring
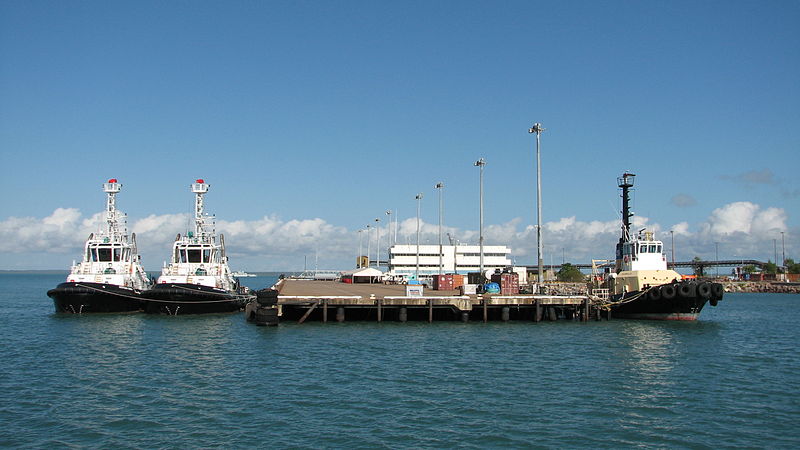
<point x="668" y="291"/>
<point x="704" y="290"/>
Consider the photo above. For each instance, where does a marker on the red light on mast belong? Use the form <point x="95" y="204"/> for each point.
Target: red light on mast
<point x="113" y="180"/>
<point x="200" y="180"/>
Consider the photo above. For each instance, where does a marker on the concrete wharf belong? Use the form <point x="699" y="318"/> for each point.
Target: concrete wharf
<point x="303" y="300"/>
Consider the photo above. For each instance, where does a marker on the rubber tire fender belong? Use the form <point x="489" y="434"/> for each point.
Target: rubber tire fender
<point x="687" y="289"/>
<point x="704" y="290"/>
<point x="668" y="291"/>
<point x="717" y="291"/>
<point x="654" y="293"/>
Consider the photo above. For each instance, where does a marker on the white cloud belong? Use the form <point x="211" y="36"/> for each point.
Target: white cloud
<point x="746" y="218"/>
<point x="269" y="243"/>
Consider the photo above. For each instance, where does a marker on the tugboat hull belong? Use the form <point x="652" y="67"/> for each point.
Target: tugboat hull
<point x="674" y="301"/>
<point x="81" y="297"/>
<point x="185" y="298"/>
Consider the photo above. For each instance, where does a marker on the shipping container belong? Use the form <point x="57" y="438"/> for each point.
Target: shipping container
<point x="509" y="282"/>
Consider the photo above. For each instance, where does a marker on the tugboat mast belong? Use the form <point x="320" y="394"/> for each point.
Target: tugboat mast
<point x="200" y="187"/>
<point x="112" y="224"/>
<point x="626" y="183"/>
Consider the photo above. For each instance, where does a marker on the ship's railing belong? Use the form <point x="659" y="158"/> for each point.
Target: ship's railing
<point x="601" y="293"/>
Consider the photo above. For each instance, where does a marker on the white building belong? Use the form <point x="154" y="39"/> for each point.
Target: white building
<point x="454" y="259"/>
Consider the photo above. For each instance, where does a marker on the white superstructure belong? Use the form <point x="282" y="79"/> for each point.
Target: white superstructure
<point x="642" y="264"/>
<point x="643" y="253"/>
<point x="110" y="256"/>
<point x="197" y="257"/>
<point x="455" y="259"/>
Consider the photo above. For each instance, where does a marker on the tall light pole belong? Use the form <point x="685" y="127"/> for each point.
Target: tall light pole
<point x="480" y="163"/>
<point x="378" y="243"/>
<point x="537" y="128"/>
<point x="390" y="242"/>
<point x="775" y="244"/>
<point x="783" y="250"/>
<point x="440" y="187"/>
<point x="419" y="201"/>
<point x="369" y="241"/>
<point x="358" y="257"/>
<point x="672" y="235"/>
<point x="716" y="258"/>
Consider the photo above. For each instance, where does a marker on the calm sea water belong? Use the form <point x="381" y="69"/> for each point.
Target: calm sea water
<point x="732" y="379"/>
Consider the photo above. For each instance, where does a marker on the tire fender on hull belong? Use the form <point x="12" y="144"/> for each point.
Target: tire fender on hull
<point x="717" y="291"/>
<point x="704" y="290"/>
<point x="687" y="289"/>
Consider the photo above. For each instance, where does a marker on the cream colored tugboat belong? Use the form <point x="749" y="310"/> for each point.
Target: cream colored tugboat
<point x="641" y="286"/>
<point x="197" y="278"/>
<point x="110" y="277"/>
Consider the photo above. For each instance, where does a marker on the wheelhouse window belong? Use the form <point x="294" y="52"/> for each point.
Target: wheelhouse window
<point x="104" y="254"/>
<point x="194" y="254"/>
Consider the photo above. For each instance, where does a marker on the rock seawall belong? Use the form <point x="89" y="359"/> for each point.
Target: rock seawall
<point x="761" y="287"/>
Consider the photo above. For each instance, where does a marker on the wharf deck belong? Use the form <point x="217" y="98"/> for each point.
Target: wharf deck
<point x="300" y="298"/>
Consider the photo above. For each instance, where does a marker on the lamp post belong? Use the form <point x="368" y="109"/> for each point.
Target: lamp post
<point x="389" y="229"/>
<point x="369" y="241"/>
<point x="358" y="257"/>
<point x="480" y="163"/>
<point x="378" y="243"/>
<point x="716" y="258"/>
<point x="419" y="201"/>
<point x="775" y="245"/>
<point x="783" y="250"/>
<point x="389" y="240"/>
<point x="672" y="235"/>
<point x="537" y="129"/>
<point x="440" y="187"/>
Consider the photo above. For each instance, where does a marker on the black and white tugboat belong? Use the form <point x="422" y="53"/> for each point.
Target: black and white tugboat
<point x="197" y="279"/>
<point x="641" y="286"/>
<point x="110" y="277"/>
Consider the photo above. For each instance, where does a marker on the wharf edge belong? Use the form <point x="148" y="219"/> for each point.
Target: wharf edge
<point x="303" y="300"/>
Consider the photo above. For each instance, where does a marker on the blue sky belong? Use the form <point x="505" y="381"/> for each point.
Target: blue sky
<point x="310" y="119"/>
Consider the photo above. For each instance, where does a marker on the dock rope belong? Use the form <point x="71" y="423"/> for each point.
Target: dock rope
<point x="608" y="305"/>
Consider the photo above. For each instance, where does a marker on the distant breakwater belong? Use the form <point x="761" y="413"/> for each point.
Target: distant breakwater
<point x="766" y="287"/>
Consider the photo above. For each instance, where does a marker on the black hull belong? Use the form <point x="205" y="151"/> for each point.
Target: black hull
<point x="184" y="298"/>
<point x="675" y="301"/>
<point x="79" y="298"/>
